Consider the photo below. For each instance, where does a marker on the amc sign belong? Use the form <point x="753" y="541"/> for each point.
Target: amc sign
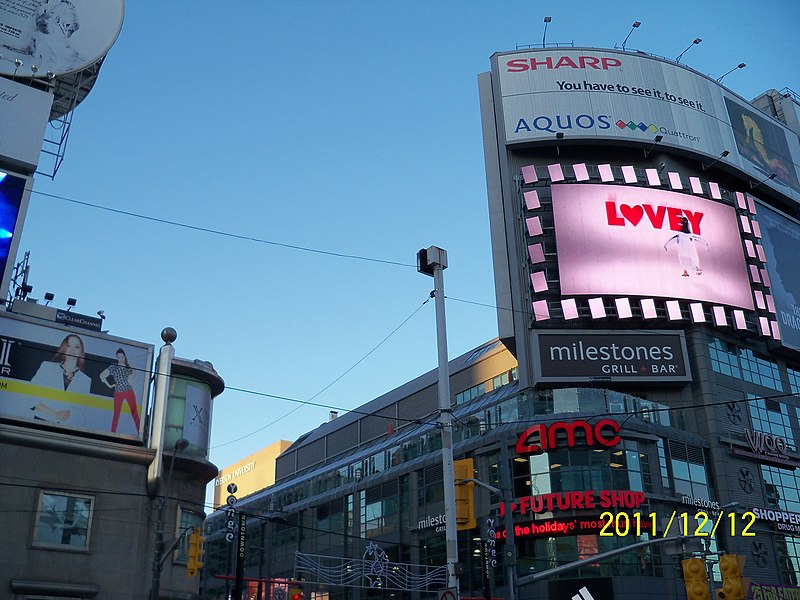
<point x="592" y="356"/>
<point x="542" y="437"/>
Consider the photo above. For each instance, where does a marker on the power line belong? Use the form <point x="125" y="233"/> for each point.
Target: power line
<point x="224" y="233"/>
<point x="309" y="401"/>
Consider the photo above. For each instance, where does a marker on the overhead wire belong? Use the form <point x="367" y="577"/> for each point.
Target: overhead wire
<point x="219" y="232"/>
<point x="309" y="401"/>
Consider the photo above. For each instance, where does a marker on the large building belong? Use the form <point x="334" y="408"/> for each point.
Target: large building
<point x="97" y="482"/>
<point x="645" y="241"/>
<point x="100" y="481"/>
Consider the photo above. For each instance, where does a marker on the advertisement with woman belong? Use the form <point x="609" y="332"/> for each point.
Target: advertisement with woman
<point x="72" y="378"/>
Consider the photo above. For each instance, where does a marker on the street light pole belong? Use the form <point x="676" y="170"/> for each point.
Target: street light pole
<point x="433" y="261"/>
<point x="158" y="554"/>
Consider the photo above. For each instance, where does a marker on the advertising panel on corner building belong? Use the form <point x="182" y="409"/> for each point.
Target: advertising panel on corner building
<point x="60" y="36"/>
<point x="627" y="241"/>
<point x="14" y="195"/>
<point x="780" y="237"/>
<point x="619" y="356"/>
<point x="71" y="378"/>
<point x="612" y="95"/>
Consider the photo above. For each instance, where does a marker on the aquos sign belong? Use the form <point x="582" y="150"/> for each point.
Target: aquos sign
<point x="596" y="356"/>
<point x="607" y="94"/>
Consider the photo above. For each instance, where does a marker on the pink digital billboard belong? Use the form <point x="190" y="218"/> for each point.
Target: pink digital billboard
<point x="635" y="241"/>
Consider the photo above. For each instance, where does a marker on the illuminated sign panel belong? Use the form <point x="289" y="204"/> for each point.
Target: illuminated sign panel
<point x="72" y="378"/>
<point x="604" y="94"/>
<point x="603" y="433"/>
<point x="585" y="356"/>
<point x="633" y="241"/>
<point x="13" y="206"/>
<point x="781" y="239"/>
<point x="585" y="500"/>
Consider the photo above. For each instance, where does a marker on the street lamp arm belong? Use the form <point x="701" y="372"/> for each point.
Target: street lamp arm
<point x="480" y="483"/>
<point x="174" y="544"/>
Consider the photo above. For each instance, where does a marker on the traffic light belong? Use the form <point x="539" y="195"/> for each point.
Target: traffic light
<point x="696" y="579"/>
<point x="465" y="494"/>
<point x="196" y="551"/>
<point x="295" y="593"/>
<point x="734" y="586"/>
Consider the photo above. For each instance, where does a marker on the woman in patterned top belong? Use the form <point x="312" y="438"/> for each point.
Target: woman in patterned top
<point x="122" y="374"/>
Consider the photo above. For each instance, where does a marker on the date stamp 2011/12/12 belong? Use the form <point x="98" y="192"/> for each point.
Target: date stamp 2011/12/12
<point x="701" y="524"/>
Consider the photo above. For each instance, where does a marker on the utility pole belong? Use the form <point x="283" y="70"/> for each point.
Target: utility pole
<point x="433" y="261"/>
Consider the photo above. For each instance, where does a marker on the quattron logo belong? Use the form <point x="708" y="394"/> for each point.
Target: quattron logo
<point x="640" y="126"/>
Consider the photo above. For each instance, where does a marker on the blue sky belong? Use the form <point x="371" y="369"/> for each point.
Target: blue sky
<point x="352" y="128"/>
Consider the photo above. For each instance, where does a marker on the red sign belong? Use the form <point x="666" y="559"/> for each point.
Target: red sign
<point x="599" y="434"/>
<point x="581" y="62"/>
<point x="575" y="501"/>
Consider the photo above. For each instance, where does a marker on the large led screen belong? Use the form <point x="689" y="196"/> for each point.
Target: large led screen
<point x="780" y="237"/>
<point x="13" y="205"/>
<point x="71" y="378"/>
<point x="634" y="241"/>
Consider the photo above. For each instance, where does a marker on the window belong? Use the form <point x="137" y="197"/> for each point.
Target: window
<point x="471" y="393"/>
<point x="504" y="378"/>
<point x="63" y="520"/>
<point x="724" y="357"/>
<point x="689" y="474"/>
<point x="772" y="417"/>
<point x="742" y="363"/>
<point x="187" y="520"/>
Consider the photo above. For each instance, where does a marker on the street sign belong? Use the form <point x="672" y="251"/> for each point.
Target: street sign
<point x="448" y="594"/>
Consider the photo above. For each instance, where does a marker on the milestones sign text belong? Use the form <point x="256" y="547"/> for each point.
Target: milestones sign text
<point x="611" y="356"/>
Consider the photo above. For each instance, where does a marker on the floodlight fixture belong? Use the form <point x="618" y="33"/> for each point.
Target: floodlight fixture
<point x="656" y="140"/>
<point x="722" y="155"/>
<point x="739" y="66"/>
<point x="544" y="35"/>
<point x="48" y="297"/>
<point x="695" y="41"/>
<point x="635" y="25"/>
<point x="70" y="303"/>
<point x="768" y="178"/>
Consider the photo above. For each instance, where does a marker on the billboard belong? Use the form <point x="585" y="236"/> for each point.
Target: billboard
<point x="633" y="241"/>
<point x="604" y="94"/>
<point x="24" y="112"/>
<point x="72" y="378"/>
<point x="14" y="195"/>
<point x="780" y="237"/>
<point x="591" y="356"/>
<point x="59" y="36"/>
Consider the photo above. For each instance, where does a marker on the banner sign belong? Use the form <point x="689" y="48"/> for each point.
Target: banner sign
<point x="586" y="356"/>
<point x="72" y="378"/>
<point x="588" y="93"/>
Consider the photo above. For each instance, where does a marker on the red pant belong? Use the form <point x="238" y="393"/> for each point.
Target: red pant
<point x="130" y="398"/>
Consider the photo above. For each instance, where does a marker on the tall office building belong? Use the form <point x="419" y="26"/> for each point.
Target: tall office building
<point x="644" y="233"/>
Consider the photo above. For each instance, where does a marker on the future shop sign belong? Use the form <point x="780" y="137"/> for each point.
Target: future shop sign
<point x="618" y="356"/>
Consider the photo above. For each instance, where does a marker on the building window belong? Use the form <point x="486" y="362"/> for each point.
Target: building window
<point x="63" y="520"/>
<point x="187" y="520"/>
<point x="471" y="393"/>
<point x="689" y="473"/>
<point x="760" y="370"/>
<point x="742" y="363"/>
<point x="504" y="378"/>
<point x="794" y="380"/>
<point x="724" y="358"/>
<point x="772" y="417"/>
<point x="782" y="487"/>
